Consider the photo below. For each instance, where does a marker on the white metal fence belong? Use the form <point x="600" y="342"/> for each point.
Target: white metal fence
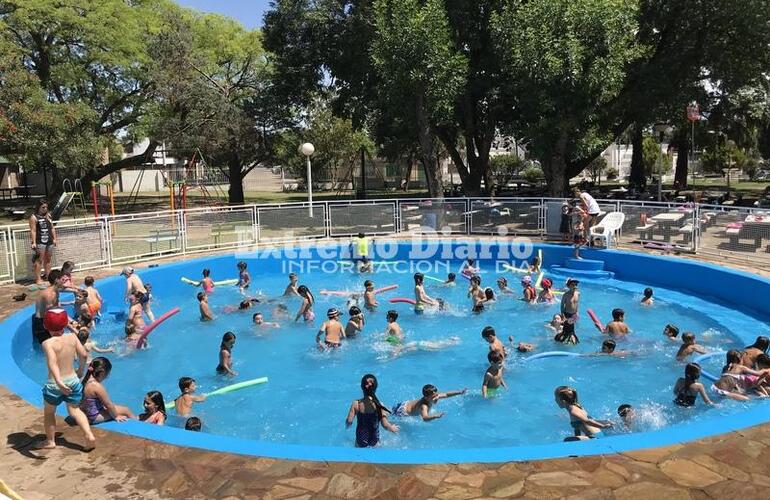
<point x="735" y="233"/>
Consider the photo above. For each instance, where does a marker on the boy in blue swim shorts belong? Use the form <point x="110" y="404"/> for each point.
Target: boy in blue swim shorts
<point x="63" y="384"/>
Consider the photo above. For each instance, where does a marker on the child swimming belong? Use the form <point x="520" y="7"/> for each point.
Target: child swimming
<point x="306" y="309"/>
<point x="259" y="319"/>
<point x="355" y="322"/>
<point x="493" y="377"/>
<point x="84" y="336"/>
<point x="193" y="424"/>
<point x="203" y="307"/>
<point x="63" y="384"/>
<point x="369" y="414"/>
<point x="244" y="278"/>
<point x="760" y="346"/>
<point x="627" y="415"/>
<point x="688" y="347"/>
<point x="671" y="332"/>
<point x="207" y="283"/>
<point x="687" y="389"/>
<point x="421" y="407"/>
<point x="617" y="326"/>
<point x="529" y="294"/>
<point x="154" y="409"/>
<point x="331" y="330"/>
<point x="583" y="425"/>
<point x="225" y="366"/>
<point x="97" y="405"/>
<point x="489" y="335"/>
<point x="647" y="299"/>
<point x="184" y="402"/>
<point x="556" y="324"/>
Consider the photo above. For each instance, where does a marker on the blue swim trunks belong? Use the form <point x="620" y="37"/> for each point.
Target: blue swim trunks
<point x="53" y="396"/>
<point x="399" y="410"/>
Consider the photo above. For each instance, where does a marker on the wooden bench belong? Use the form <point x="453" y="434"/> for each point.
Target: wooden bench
<point x="645" y="231"/>
<point x="158" y="235"/>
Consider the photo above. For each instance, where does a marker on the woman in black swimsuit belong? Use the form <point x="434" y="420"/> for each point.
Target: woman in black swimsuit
<point x="687" y="389"/>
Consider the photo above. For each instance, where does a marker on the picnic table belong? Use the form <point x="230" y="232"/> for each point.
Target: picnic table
<point x="666" y="220"/>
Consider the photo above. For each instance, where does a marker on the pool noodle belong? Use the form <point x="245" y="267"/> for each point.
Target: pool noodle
<point x="226" y="282"/>
<point x="189" y="281"/>
<point x="595" y="319"/>
<point x="434" y="279"/>
<point x="709" y="355"/>
<point x="515" y="269"/>
<point x="540" y="256"/>
<point x="228" y="388"/>
<point x="708" y="375"/>
<point x="337" y="293"/>
<point x="385" y="289"/>
<point x="539" y="279"/>
<point x="552" y="354"/>
<point x="140" y="342"/>
<point x="402" y="300"/>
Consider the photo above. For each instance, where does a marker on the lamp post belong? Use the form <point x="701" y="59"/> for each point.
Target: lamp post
<point x="663" y="131"/>
<point x="308" y="149"/>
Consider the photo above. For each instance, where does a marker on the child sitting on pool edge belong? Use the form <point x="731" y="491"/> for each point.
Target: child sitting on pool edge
<point x="422" y="406"/>
<point x="583" y="425"/>
<point x="183" y="404"/>
<point x="493" y="377"/>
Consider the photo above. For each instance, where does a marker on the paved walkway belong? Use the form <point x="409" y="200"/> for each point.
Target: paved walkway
<point x="734" y="465"/>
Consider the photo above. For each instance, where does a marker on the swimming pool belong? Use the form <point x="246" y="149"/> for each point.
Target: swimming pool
<point x="299" y="413"/>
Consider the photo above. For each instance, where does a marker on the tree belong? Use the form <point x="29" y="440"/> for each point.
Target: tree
<point x="337" y="147"/>
<point x="596" y="168"/>
<point x="73" y="80"/>
<point x="565" y="61"/>
<point x="214" y="94"/>
<point x="504" y="168"/>
<point x="656" y="162"/>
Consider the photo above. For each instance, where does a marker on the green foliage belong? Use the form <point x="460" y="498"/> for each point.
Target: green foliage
<point x="717" y="158"/>
<point x="505" y="167"/>
<point x="337" y="147"/>
<point x="655" y="160"/>
<point x="533" y="174"/>
<point x="612" y="173"/>
<point x="596" y="168"/>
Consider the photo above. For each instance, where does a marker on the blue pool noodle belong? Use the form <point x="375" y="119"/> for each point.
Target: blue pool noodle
<point x="552" y="354"/>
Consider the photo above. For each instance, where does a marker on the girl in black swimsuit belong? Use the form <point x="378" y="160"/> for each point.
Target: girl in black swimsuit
<point x="687" y="389"/>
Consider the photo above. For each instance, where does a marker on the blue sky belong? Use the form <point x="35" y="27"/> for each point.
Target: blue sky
<point x="248" y="12"/>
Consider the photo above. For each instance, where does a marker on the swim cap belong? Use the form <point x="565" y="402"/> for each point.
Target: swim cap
<point x="55" y="320"/>
<point x="526" y="280"/>
<point x="332" y="312"/>
<point x="546" y="283"/>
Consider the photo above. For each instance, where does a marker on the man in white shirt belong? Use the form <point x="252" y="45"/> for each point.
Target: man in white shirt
<point x="590" y="207"/>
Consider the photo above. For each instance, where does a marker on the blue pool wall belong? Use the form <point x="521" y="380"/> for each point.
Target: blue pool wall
<point x="742" y="291"/>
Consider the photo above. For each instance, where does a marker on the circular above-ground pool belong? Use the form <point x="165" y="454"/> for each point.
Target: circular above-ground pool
<point x="299" y="413"/>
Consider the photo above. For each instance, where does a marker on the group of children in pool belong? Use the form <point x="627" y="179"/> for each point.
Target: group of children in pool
<point x="745" y="372"/>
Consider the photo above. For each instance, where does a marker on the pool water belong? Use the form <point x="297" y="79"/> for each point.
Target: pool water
<point x="309" y="392"/>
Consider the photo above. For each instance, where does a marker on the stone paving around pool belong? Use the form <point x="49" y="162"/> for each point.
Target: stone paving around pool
<point x="733" y="465"/>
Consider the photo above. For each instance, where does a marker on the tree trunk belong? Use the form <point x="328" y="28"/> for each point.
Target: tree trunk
<point x="427" y="155"/>
<point x="555" y="168"/>
<point x="680" y="176"/>
<point x="235" y="176"/>
<point x="637" y="178"/>
<point x="105" y="170"/>
<point x="408" y="172"/>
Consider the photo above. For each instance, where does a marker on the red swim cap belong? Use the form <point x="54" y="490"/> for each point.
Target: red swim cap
<point x="55" y="320"/>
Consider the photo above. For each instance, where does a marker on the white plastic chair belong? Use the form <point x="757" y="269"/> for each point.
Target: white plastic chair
<point x="610" y="227"/>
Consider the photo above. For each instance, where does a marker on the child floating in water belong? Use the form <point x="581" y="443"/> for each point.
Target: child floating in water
<point x="154" y="409"/>
<point x="493" y="377"/>
<point x="617" y="326"/>
<point x="96" y="404"/>
<point x="355" y="323"/>
<point x="608" y="349"/>
<point x="331" y="330"/>
<point x="369" y="414"/>
<point x="671" y="332"/>
<point x="422" y="406"/>
<point x="203" y="307"/>
<point x="488" y="334"/>
<point x="306" y="309"/>
<point x="184" y="403"/>
<point x="243" y="305"/>
<point x="688" y="388"/>
<point x="556" y="324"/>
<point x="259" y="319"/>
<point x="688" y="347"/>
<point x="244" y="278"/>
<point x="193" y="424"/>
<point x="647" y="300"/>
<point x="225" y="366"/>
<point x="582" y="424"/>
